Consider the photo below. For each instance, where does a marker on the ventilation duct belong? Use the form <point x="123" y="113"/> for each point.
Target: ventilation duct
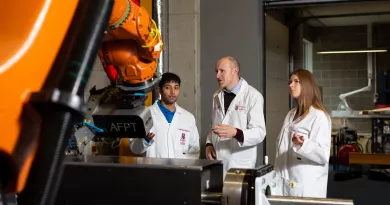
<point x="344" y="110"/>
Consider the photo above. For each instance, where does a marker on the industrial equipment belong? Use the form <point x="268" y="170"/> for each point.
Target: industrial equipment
<point x="42" y="111"/>
<point x="52" y="55"/>
<point x="343" y="109"/>
<point x="139" y="180"/>
<point x="129" y="55"/>
<point x="345" y="142"/>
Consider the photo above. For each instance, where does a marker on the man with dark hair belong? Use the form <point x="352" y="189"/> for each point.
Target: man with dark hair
<point x="167" y="78"/>
<point x="174" y="133"/>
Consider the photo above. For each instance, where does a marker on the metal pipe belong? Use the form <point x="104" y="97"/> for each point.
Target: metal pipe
<point x="160" y="13"/>
<point x="369" y="55"/>
<point x="369" y="74"/>
<point x="282" y="200"/>
<point x="216" y="198"/>
<point x="211" y="197"/>
<point x="161" y="16"/>
<point x="375" y="80"/>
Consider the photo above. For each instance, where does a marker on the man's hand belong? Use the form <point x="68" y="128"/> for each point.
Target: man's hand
<point x="150" y="136"/>
<point x="224" y="131"/>
<point x="210" y="153"/>
<point x="298" y="140"/>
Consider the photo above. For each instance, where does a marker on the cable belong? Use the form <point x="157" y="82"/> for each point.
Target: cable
<point x="97" y="129"/>
<point x="4" y="176"/>
<point x="2" y="195"/>
<point x="155" y="32"/>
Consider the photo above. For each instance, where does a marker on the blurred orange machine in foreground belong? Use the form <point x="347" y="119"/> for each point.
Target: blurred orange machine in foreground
<point x="48" y="49"/>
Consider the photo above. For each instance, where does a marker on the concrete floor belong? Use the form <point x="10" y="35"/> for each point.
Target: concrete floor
<point x="362" y="190"/>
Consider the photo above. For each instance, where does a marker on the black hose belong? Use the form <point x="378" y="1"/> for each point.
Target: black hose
<point x="59" y="103"/>
<point x="2" y="194"/>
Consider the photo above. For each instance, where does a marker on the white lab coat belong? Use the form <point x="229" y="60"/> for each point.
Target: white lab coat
<point x="304" y="169"/>
<point x="180" y="139"/>
<point x="246" y="113"/>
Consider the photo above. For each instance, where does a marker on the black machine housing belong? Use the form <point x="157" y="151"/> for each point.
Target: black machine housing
<point x="119" y="113"/>
<point x="137" y="180"/>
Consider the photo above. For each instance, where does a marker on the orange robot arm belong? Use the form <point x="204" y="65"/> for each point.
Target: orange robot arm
<point x="132" y="44"/>
<point x="51" y="55"/>
<point x="48" y="49"/>
<point x="27" y="55"/>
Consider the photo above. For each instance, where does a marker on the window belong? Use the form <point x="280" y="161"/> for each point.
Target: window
<point x="308" y="55"/>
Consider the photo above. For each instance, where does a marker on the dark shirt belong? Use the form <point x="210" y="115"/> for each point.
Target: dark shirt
<point x="227" y="99"/>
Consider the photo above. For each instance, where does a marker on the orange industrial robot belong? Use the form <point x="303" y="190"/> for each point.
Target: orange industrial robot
<point x="48" y="49"/>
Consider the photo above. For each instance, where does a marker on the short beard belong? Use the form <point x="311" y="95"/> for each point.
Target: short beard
<point x="168" y="101"/>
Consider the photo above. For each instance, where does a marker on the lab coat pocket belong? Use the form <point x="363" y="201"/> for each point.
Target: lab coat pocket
<point x="183" y="137"/>
<point x="291" y="188"/>
<point x="237" y="117"/>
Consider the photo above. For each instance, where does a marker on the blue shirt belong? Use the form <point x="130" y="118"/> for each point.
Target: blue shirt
<point x="236" y="88"/>
<point x="167" y="113"/>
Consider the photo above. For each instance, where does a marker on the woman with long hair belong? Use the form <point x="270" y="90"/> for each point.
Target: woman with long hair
<point x="303" y="144"/>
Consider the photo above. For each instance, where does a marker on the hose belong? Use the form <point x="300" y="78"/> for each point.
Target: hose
<point x="2" y="194"/>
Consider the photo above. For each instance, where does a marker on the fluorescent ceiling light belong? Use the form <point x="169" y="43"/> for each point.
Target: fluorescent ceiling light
<point x="354" y="51"/>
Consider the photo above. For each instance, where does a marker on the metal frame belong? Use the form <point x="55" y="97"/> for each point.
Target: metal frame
<point x="297" y="3"/>
<point x="263" y="63"/>
<point x="346" y="15"/>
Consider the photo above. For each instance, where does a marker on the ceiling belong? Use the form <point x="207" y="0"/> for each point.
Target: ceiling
<point x="374" y="12"/>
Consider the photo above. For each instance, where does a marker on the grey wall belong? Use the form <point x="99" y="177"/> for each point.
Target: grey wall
<point x="184" y="53"/>
<point x="229" y="27"/>
<point x="277" y="70"/>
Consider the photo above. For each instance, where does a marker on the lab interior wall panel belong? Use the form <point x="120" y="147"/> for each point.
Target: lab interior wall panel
<point x="184" y="53"/>
<point x="277" y="98"/>
<point x="229" y="27"/>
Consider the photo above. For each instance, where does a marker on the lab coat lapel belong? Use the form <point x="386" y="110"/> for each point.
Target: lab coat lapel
<point x="156" y="111"/>
<point x="218" y="97"/>
<point x="222" y="104"/>
<point x="177" y="115"/>
<point x="290" y="121"/>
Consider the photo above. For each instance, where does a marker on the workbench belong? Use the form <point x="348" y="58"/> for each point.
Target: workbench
<point x="378" y="125"/>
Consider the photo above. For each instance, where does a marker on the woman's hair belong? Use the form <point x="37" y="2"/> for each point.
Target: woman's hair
<point x="310" y="93"/>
